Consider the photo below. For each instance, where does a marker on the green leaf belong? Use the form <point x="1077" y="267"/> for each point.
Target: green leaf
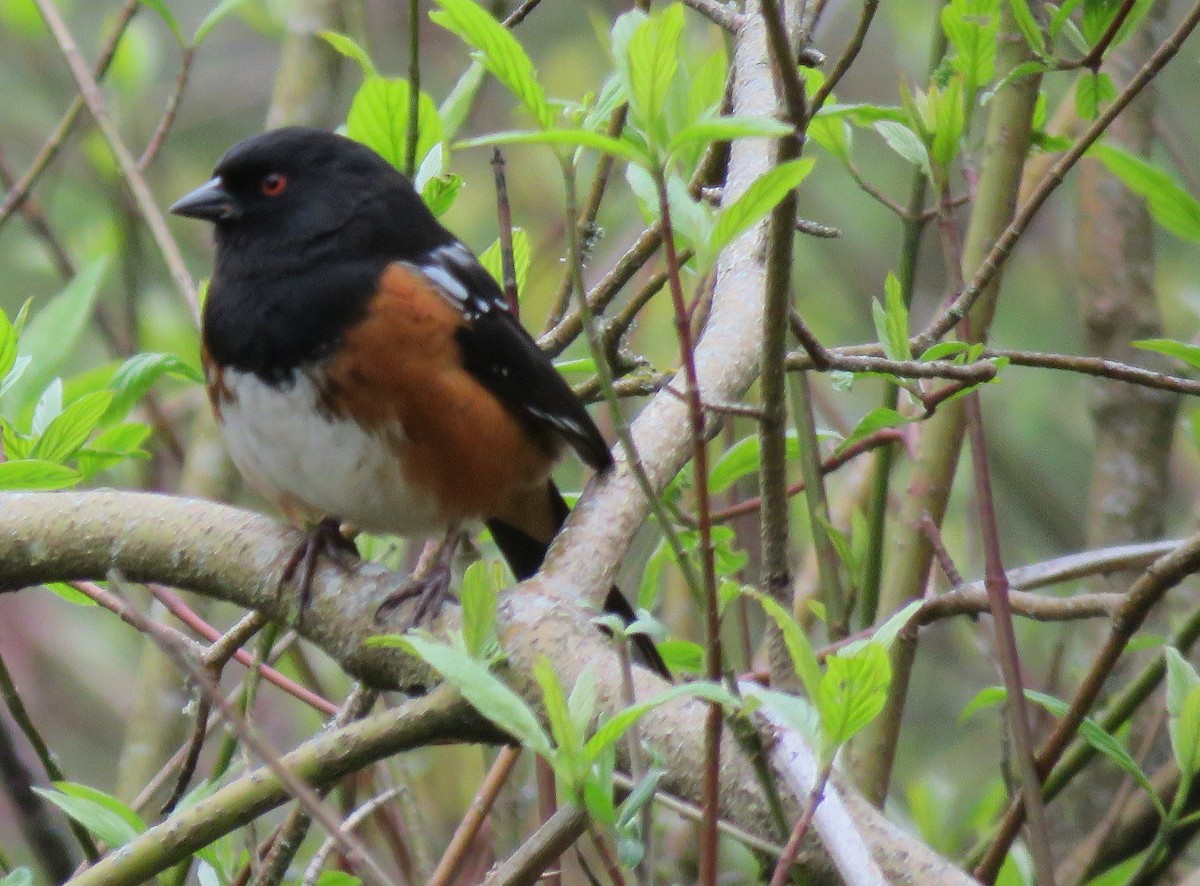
<point x="18" y="877"/>
<point x="138" y="374"/>
<point x="164" y="12"/>
<point x="581" y="703"/>
<point x="682" y="656"/>
<point x="8" y="345"/>
<point x="804" y="660"/>
<point x="219" y="12"/>
<point x="1189" y="354"/>
<point x="481" y="688"/>
<point x="891" y="321"/>
<point x="347" y="47"/>
<point x="578" y="138"/>
<point x="378" y="118"/>
<point x="988" y="697"/>
<point x="112" y="446"/>
<point x="1091" y="91"/>
<point x="904" y="142"/>
<point x="887" y="632"/>
<point x="1104" y="742"/>
<point x="1169" y="203"/>
<point x="71" y="428"/>
<point x="478" y="596"/>
<point x="580" y="366"/>
<point x="65" y="592"/>
<point x="1028" y="26"/>
<point x="948" y="118"/>
<point x="501" y="54"/>
<point x="105" y="817"/>
<point x="53" y="333"/>
<point x="457" y="105"/>
<point x="522" y="254"/>
<point x="440" y="191"/>
<point x="971" y="27"/>
<point x="797" y="713"/>
<point x="875" y="420"/>
<point x="1183" y="706"/>
<point x="723" y="129"/>
<point x="568" y="740"/>
<point x="646" y="50"/>
<point x="945" y="349"/>
<point x="743" y="458"/>
<point x="611" y="730"/>
<point x="759" y="199"/>
<point x="31" y="474"/>
<point x="49" y="405"/>
<point x="641" y="794"/>
<point x="852" y="692"/>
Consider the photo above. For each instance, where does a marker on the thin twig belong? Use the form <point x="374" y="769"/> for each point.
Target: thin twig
<point x="183" y="655"/>
<point x="504" y="226"/>
<point x="147" y="205"/>
<point x="719" y="14"/>
<point x="413" y="124"/>
<point x="313" y="872"/>
<point x="168" y="118"/>
<point x="1159" y="577"/>
<point x="20" y="191"/>
<point x="996" y="582"/>
<point x="525" y="866"/>
<point x="849" y="54"/>
<point x="464" y="835"/>
<point x="1003" y="245"/>
<point x="784" y="865"/>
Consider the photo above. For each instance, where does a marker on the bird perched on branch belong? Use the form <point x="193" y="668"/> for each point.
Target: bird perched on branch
<point x="365" y="368"/>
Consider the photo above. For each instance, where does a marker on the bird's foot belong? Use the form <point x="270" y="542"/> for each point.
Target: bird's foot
<point x="431" y="593"/>
<point x="325" y="538"/>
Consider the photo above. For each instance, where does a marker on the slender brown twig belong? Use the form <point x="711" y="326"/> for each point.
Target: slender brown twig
<point x="464" y="835"/>
<point x="147" y="205"/>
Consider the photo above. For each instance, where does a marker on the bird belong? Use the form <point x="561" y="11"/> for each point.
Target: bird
<point x="366" y="369"/>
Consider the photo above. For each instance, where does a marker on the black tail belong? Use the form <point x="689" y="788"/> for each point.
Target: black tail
<point x="525" y="555"/>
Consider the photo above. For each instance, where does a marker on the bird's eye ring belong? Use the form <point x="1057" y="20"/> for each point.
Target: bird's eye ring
<point x="274" y="184"/>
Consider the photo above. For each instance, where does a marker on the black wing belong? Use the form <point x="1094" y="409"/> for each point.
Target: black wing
<point x="498" y="351"/>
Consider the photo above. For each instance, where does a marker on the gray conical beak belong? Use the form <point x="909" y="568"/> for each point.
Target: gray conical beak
<point x="210" y="201"/>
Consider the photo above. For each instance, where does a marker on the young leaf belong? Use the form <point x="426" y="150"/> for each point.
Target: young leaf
<point x="804" y="660"/>
<point x="642" y="793"/>
<point x="1170" y="205"/>
<point x="611" y="730"/>
<point x="478" y="595"/>
<point x="219" y="12"/>
<point x="987" y="697"/>
<point x="31" y="474"/>
<point x="1189" y="354"/>
<point x="971" y="27"/>
<point x="796" y="713"/>
<point x="875" y="420"/>
<point x="52" y="334"/>
<point x="646" y="49"/>
<point x="887" y="632"/>
<point x="757" y="200"/>
<point x="1104" y="742"/>
<point x="1092" y="90"/>
<point x="568" y="740"/>
<point x="138" y="374"/>
<point x="8" y="345"/>
<point x="891" y="321"/>
<point x="378" y="118"/>
<point x="347" y="47"/>
<point x="105" y="817"/>
<point x="18" y="877"/>
<point x="457" y="105"/>
<point x="500" y="52"/>
<point x="1028" y="26"/>
<point x="576" y="138"/>
<point x="64" y="591"/>
<point x="723" y="129"/>
<point x="904" y="142"/>
<point x="1183" y="706"/>
<point x="852" y="692"/>
<point x="485" y="692"/>
<point x="164" y="12"/>
<point x="70" y="428"/>
<point x="682" y="656"/>
<point x="113" y="445"/>
<point x="490" y="259"/>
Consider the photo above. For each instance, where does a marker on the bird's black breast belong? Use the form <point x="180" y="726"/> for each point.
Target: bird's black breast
<point x="272" y="315"/>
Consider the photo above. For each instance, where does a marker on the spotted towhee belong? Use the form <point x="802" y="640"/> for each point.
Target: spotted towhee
<point x="365" y="368"/>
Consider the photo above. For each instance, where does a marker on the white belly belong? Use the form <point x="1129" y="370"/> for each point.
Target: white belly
<point x="283" y="444"/>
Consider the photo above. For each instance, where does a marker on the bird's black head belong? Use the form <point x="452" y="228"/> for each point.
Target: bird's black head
<point x="299" y="188"/>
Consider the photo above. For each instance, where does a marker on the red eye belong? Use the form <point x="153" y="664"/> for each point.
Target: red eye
<point x="274" y="184"/>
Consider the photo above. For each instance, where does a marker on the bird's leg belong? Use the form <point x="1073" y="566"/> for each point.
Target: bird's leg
<point x="430" y="584"/>
<point x="324" y="538"/>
